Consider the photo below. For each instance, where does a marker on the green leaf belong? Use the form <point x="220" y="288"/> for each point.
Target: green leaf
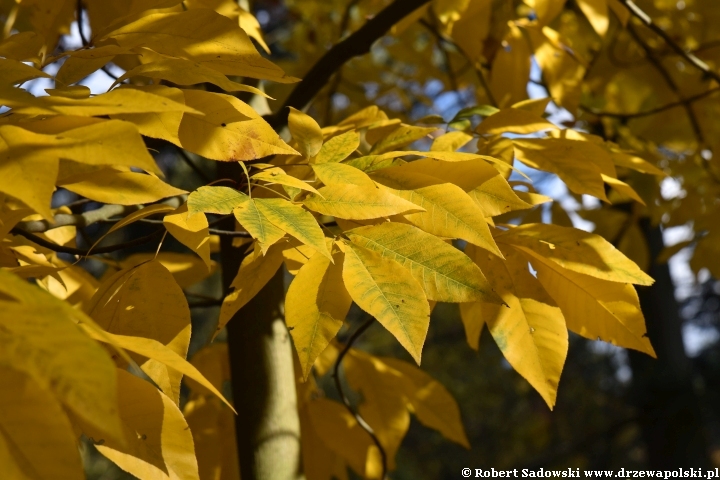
<point x="338" y="148"/>
<point x="445" y="273"/>
<point x="252" y="219"/>
<point x="294" y="220"/>
<point x="355" y="202"/>
<point x="386" y="290"/>
<point x="220" y="200"/>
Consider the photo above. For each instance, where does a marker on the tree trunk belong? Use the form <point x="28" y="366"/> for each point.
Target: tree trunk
<point x="668" y="406"/>
<point x="263" y="379"/>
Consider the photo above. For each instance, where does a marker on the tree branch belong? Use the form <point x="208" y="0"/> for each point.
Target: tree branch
<point x="85" y="252"/>
<point x="336" y="376"/>
<point x="357" y="44"/>
<point x="87" y="218"/>
<point x="689" y="56"/>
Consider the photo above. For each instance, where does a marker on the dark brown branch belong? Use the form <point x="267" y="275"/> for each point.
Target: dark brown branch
<point x="84" y="252"/>
<point x="689" y="56"/>
<point x="81" y="30"/>
<point x="338" y="385"/>
<point x="186" y="158"/>
<point x="357" y="44"/>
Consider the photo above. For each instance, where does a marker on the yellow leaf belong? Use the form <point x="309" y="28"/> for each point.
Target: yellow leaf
<point x="253" y="219"/>
<point x="383" y="407"/>
<point x="560" y="156"/>
<point x="444" y="272"/>
<point x="546" y="10"/>
<point x="115" y="102"/>
<point x="201" y="35"/>
<point x="163" y="125"/>
<point x="249" y="23"/>
<point x="76" y="91"/>
<point x="533" y="105"/>
<point x="510" y="70"/>
<point x="633" y="162"/>
<point x="530" y="331"/>
<point x="296" y="257"/>
<point x="35" y="433"/>
<point x="140" y="214"/>
<point x="578" y="251"/>
<point x="123" y="188"/>
<point x="401" y="137"/>
<point x="449" y="212"/>
<point x="228" y="129"/>
<point x="81" y="63"/>
<point x="255" y="271"/>
<point x="278" y="175"/>
<point x="338" y="148"/>
<point x="220" y="200"/>
<point x="187" y="269"/>
<point x="191" y="231"/>
<point x="331" y="421"/>
<point x="9" y="218"/>
<point x="12" y="72"/>
<point x="431" y="403"/>
<point x="160" y="444"/>
<point x="145" y="301"/>
<point x="294" y="220"/>
<point x="22" y="46"/>
<point x="152" y="349"/>
<point x="355" y="202"/>
<point x="596" y="12"/>
<point x="184" y="72"/>
<point x="473" y="321"/>
<point x="213" y="431"/>
<point x="623" y="189"/>
<point x="315" y="308"/>
<point x="593" y="308"/>
<point x="111" y="142"/>
<point x="386" y="290"/>
<point x="514" y="120"/>
<point x="450" y="141"/>
<point x="341" y="174"/>
<point x="306" y="132"/>
<point x="44" y="342"/>
<point x="29" y="161"/>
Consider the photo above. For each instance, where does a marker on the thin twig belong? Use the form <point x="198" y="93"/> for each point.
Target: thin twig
<point x="83" y="252"/>
<point x="650" y="55"/>
<point x="689" y="56"/>
<point x="186" y="158"/>
<point x="441" y="43"/>
<point x="655" y="110"/>
<point x="213" y="231"/>
<point x="206" y="303"/>
<point x="361" y="421"/>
